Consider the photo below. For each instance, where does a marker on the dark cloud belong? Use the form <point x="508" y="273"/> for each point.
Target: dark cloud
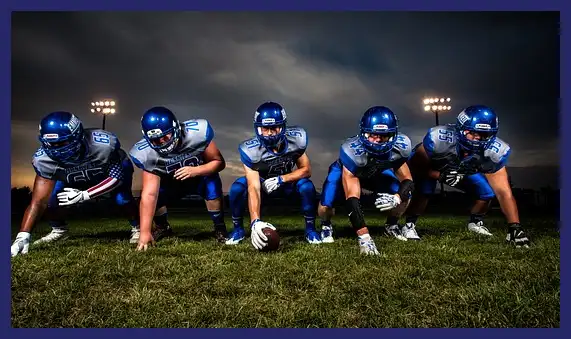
<point x="325" y="68"/>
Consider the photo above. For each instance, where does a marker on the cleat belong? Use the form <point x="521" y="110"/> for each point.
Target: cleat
<point x="409" y="231"/>
<point x="236" y="236"/>
<point x="312" y="237"/>
<point x="135" y="234"/>
<point x="162" y="232"/>
<point x="394" y="231"/>
<point x="57" y="234"/>
<point x="479" y="228"/>
<point x="220" y="234"/>
<point x="327" y="234"/>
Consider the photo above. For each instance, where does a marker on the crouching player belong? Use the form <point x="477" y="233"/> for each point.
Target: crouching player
<point x="469" y="156"/>
<point x="268" y="160"/>
<point x="74" y="165"/>
<point x="177" y="158"/>
<point x="376" y="160"/>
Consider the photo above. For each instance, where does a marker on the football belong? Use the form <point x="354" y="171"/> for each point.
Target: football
<point x="273" y="239"/>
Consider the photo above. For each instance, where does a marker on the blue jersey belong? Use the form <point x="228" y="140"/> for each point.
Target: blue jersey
<point x="365" y="165"/>
<point x="102" y="160"/>
<point x="195" y="137"/>
<point x="444" y="151"/>
<point x="255" y="155"/>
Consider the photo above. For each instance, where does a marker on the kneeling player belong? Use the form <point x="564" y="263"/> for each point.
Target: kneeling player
<point x="470" y="157"/>
<point x="72" y="166"/>
<point x="268" y="160"/>
<point x="374" y="160"/>
<point x="176" y="159"/>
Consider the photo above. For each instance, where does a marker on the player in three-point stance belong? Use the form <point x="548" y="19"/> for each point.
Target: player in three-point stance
<point x="268" y="160"/>
<point x="376" y="160"/>
<point x="74" y="165"/>
<point x="177" y="158"/>
<point x="469" y="156"/>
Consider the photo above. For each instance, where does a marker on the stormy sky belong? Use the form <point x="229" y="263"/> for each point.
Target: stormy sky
<point x="325" y="68"/>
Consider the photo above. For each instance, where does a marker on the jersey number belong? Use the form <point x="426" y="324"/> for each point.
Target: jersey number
<point x="191" y="126"/>
<point x="101" y="138"/>
<point x="84" y="175"/>
<point x="401" y="142"/>
<point x="496" y="147"/>
<point x="294" y="133"/>
<point x="445" y="135"/>
<point x="280" y="169"/>
<point x="357" y="148"/>
<point x="192" y="161"/>
<point x="252" y="143"/>
<point x="141" y="145"/>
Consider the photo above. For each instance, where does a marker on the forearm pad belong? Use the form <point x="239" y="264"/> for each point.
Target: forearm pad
<point x="405" y="189"/>
<point x="355" y="213"/>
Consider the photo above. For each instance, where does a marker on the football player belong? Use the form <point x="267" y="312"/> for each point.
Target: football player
<point x="74" y="165"/>
<point x="269" y="159"/>
<point x="469" y="156"/>
<point x="375" y="159"/>
<point x="177" y="158"/>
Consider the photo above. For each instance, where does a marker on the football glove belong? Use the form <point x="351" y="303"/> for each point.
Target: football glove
<point x="272" y="184"/>
<point x="71" y="196"/>
<point x="21" y="244"/>
<point x="258" y="238"/>
<point x="387" y="201"/>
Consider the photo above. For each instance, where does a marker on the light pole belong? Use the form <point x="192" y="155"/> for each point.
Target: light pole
<point x="436" y="105"/>
<point x="104" y="107"/>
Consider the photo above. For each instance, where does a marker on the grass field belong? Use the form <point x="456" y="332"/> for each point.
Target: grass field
<point x="450" y="279"/>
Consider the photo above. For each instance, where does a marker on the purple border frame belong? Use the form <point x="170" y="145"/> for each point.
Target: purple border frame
<point x="458" y="5"/>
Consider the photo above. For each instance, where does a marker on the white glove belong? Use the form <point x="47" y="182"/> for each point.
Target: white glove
<point x="258" y="238"/>
<point x="72" y="196"/>
<point x="272" y="184"/>
<point x="451" y="178"/>
<point x="21" y="244"/>
<point x="387" y="201"/>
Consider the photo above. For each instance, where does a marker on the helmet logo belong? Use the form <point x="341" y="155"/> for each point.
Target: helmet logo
<point x="483" y="126"/>
<point x="380" y="127"/>
<point x="268" y="121"/>
<point x="50" y="136"/>
<point x="154" y="133"/>
<point x="73" y="123"/>
<point x="284" y="114"/>
<point x="256" y="115"/>
<point x="463" y="117"/>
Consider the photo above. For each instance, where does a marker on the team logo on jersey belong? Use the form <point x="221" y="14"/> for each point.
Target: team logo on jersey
<point x="268" y="121"/>
<point x="51" y="136"/>
<point x="483" y="126"/>
<point x="154" y="133"/>
<point x="73" y="123"/>
<point x="380" y="127"/>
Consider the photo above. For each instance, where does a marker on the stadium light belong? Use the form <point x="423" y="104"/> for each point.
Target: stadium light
<point x="104" y="107"/>
<point x="437" y="105"/>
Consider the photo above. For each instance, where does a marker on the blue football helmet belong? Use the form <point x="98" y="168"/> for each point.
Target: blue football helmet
<point x="270" y="114"/>
<point x="62" y="137"/>
<point x="382" y="121"/>
<point x="161" y="129"/>
<point x="479" y="119"/>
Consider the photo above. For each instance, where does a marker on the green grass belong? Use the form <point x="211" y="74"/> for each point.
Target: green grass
<point x="450" y="279"/>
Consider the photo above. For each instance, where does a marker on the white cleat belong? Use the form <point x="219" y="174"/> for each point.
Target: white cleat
<point x="394" y="231"/>
<point x="327" y="234"/>
<point x="57" y="234"/>
<point x="479" y="228"/>
<point x="367" y="245"/>
<point x="409" y="231"/>
<point x="135" y="234"/>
